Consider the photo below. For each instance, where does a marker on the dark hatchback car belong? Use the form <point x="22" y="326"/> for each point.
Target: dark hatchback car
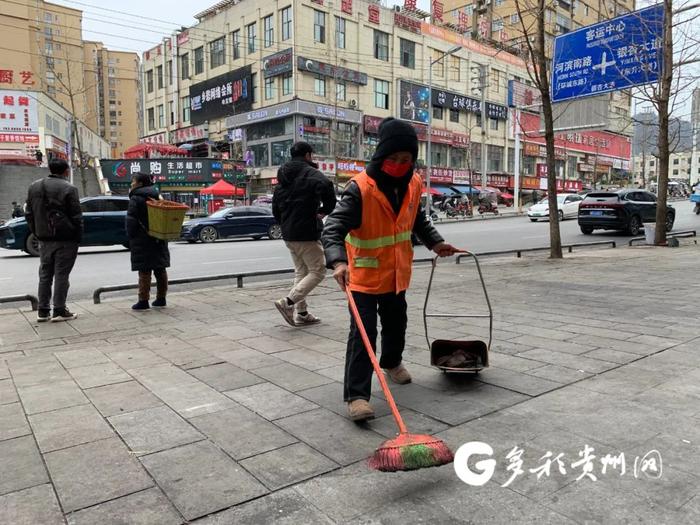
<point x="103" y="225"/>
<point x="242" y="221"/>
<point x="625" y="210"/>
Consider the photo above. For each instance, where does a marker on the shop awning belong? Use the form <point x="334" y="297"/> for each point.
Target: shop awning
<point x="464" y="189"/>
<point x="443" y="190"/>
<point x="223" y="189"/>
<point x="143" y="151"/>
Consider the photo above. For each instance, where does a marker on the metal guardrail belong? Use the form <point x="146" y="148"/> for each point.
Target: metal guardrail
<point x="18" y="298"/>
<point x="97" y="294"/>
<point x="518" y="252"/>
<point x="670" y="235"/>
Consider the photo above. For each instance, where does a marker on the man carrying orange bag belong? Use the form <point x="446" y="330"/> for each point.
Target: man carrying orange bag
<point x="367" y="242"/>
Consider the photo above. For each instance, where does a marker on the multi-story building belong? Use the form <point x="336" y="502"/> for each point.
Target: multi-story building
<point x="646" y="167"/>
<point x="499" y="21"/>
<point x="43" y="51"/>
<point x="250" y="78"/>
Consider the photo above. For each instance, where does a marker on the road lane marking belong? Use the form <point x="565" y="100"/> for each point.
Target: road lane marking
<point x="256" y="259"/>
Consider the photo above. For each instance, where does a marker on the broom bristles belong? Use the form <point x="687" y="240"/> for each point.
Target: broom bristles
<point x="410" y="452"/>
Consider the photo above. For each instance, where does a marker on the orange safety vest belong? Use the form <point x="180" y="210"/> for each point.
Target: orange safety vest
<point x="380" y="253"/>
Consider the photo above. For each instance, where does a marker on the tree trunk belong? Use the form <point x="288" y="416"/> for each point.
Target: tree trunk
<point x="665" y="85"/>
<point x="555" y="251"/>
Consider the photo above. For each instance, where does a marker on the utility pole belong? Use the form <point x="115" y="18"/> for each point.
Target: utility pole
<point x="481" y="83"/>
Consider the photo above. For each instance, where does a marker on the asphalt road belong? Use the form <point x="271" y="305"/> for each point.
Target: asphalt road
<point x="106" y="266"/>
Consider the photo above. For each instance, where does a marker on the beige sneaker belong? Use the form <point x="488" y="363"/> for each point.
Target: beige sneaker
<point x="359" y="410"/>
<point x="287" y="310"/>
<point x="309" y="318"/>
<point x="398" y="375"/>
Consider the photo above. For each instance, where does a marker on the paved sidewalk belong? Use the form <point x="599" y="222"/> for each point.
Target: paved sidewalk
<point x="213" y="411"/>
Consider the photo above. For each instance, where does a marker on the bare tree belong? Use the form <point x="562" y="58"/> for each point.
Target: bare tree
<point x="534" y="38"/>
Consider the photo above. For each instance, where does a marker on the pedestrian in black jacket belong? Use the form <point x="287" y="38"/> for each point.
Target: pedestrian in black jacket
<point x="302" y="198"/>
<point x="55" y="219"/>
<point x="148" y="254"/>
<point x="373" y="222"/>
<point x="17" y="211"/>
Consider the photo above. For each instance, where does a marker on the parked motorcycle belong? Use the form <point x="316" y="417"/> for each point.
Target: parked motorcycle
<point x="488" y="207"/>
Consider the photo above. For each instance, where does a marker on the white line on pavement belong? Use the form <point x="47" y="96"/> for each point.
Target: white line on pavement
<point x="244" y="260"/>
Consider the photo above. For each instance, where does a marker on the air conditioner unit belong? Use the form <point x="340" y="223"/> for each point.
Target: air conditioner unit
<point x="397" y="8"/>
<point x="353" y="103"/>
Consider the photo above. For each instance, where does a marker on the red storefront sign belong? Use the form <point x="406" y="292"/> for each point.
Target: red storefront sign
<point x="346" y="6"/>
<point x="348" y="168"/>
<point x="540" y="183"/>
<point x="407" y="23"/>
<point x="500" y="181"/>
<point x="597" y="142"/>
<point x="15" y="138"/>
<point x="440" y="175"/>
<point x="439" y="136"/>
<point x="460" y="140"/>
<point x="373" y="13"/>
<point x="538" y="150"/>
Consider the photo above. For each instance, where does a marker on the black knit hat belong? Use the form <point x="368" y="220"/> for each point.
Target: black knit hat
<point x="394" y="136"/>
<point x="300" y="149"/>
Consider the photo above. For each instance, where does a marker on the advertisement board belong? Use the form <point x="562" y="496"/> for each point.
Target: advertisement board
<point x="222" y="96"/>
<point x="18" y="112"/>
<point x="181" y="172"/>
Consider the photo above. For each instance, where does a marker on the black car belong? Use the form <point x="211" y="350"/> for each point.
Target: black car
<point x="241" y="221"/>
<point x="103" y="225"/>
<point x="625" y="210"/>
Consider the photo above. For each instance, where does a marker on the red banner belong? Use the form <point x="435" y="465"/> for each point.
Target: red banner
<point x="346" y="6"/>
<point x="373" y="13"/>
<point x="597" y="142"/>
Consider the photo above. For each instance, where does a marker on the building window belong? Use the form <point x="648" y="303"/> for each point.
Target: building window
<point x="185" y="66"/>
<point x="320" y="86"/>
<point x="676" y="162"/>
<point x="454" y="68"/>
<point x="185" y="109"/>
<point x="287" y="84"/>
<point x="675" y="173"/>
<point x="381" y="94"/>
<point x="161" y="116"/>
<point x="339" y="32"/>
<point x="341" y="91"/>
<point x="159" y="75"/>
<point x="252" y="34"/>
<point x="408" y="53"/>
<point x="454" y="115"/>
<point x="439" y="154"/>
<point x="319" y="27"/>
<point x="268" y="31"/>
<point x="254" y="87"/>
<point x="171" y="106"/>
<point x="151" y="119"/>
<point x="149" y="81"/>
<point x="286" y="23"/>
<point x="217" y="52"/>
<point x="280" y="152"/>
<point x="495" y="156"/>
<point x="199" y="61"/>
<point x="437" y="113"/>
<point x="493" y="124"/>
<point x="269" y="88"/>
<point x="169" y="72"/>
<point x="381" y="45"/>
<point x="236" y="44"/>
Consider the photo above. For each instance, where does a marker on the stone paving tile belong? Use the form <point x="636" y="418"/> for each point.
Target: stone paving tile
<point x="51" y="396"/>
<point x="225" y="376"/>
<point x="330" y="396"/>
<point x="131" y="358"/>
<point x="93" y="473"/>
<point x="4" y="372"/>
<point x="29" y="372"/>
<point x="614" y="356"/>
<point x="559" y="374"/>
<point x="80" y="357"/>
<point x="288" y="465"/>
<point x="657" y="342"/>
<point x="236" y="332"/>
<point x="291" y="377"/>
<point x="625" y="381"/>
<point x="336" y="373"/>
<point x="22" y="466"/>
<point x="148" y="507"/>
<point x="416" y="423"/>
<point x="68" y="427"/>
<point x="267" y="344"/>
<point x="605" y="343"/>
<point x="325" y="431"/>
<point x="242" y="433"/>
<point x="99" y="375"/>
<point x="8" y="394"/>
<point x="120" y="398"/>
<point x="12" y="422"/>
<point x="198" y="478"/>
<point x="576" y="362"/>
<point x="32" y="506"/>
<point x="565" y="347"/>
<point x="308" y="359"/>
<point x="290" y="509"/>
<point x="270" y="401"/>
<point x="516" y="381"/>
<point x="154" y="429"/>
<point x="511" y="362"/>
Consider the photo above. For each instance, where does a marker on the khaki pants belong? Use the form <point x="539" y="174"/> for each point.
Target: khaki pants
<point x="309" y="270"/>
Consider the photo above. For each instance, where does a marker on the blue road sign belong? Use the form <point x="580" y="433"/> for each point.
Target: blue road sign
<point x="616" y="54"/>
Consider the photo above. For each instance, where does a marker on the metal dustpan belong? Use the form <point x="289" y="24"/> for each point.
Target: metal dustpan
<point x="445" y="353"/>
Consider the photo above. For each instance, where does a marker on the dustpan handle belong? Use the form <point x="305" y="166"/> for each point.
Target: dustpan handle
<point x="375" y="363"/>
<point x="483" y="286"/>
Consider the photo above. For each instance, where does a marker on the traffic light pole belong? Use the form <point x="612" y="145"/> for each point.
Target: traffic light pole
<point x="484" y="128"/>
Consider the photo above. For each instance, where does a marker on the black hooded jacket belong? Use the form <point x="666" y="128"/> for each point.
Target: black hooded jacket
<point x="301" y="195"/>
<point x="147" y="253"/>
<point x="348" y="214"/>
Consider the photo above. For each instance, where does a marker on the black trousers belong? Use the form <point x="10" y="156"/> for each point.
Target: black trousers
<point x="358" y="367"/>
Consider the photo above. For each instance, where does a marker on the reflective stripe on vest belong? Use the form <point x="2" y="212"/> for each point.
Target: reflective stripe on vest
<point x="380" y="242"/>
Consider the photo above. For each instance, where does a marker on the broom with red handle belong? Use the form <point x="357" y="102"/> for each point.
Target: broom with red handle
<point x="407" y="451"/>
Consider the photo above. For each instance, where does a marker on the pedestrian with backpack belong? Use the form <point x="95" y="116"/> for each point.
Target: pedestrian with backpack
<point x="54" y="217"/>
<point x="302" y="198"/>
